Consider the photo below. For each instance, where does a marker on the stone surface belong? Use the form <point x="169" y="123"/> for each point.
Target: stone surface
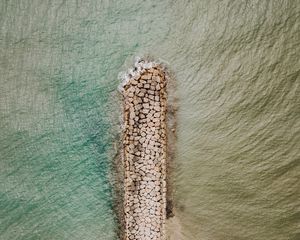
<point x="145" y="155"/>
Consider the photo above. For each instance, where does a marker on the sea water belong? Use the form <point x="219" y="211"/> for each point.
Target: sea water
<point x="236" y="64"/>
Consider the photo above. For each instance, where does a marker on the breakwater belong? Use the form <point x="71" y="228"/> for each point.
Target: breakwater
<point x="144" y="151"/>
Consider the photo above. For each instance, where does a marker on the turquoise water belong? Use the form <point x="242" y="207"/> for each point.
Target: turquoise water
<point x="59" y="66"/>
<point x="237" y="69"/>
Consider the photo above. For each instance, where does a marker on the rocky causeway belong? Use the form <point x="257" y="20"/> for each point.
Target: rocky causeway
<point x="144" y="151"/>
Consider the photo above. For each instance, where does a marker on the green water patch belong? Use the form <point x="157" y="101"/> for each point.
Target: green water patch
<point x="54" y="184"/>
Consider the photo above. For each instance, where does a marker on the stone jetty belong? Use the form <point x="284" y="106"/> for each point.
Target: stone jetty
<point x="144" y="151"/>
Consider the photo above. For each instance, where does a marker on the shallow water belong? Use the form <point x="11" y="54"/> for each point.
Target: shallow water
<point x="237" y="70"/>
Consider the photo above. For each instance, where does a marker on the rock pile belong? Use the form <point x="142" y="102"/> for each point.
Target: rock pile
<point x="145" y="142"/>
